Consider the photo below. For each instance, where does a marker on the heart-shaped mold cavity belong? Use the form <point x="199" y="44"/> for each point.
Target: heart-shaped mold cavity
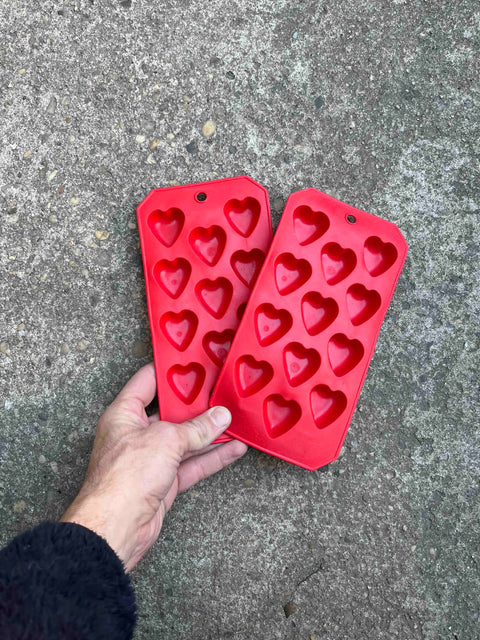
<point x="215" y="295"/>
<point x="251" y="375"/>
<point x="209" y="243"/>
<point x="241" y="310"/>
<point x="299" y="363"/>
<point x="166" y="226"/>
<point x="326" y="405"/>
<point x="217" y="345"/>
<point x="271" y="324"/>
<point x="280" y="415"/>
<point x="179" y="328"/>
<point x="186" y="381"/>
<point x="243" y="215"/>
<point x="318" y="312"/>
<point x="337" y="262"/>
<point x="309" y="225"/>
<point x="379" y="256"/>
<point x="290" y="273"/>
<point x="247" y="265"/>
<point x="344" y="354"/>
<point x="172" y="275"/>
<point x="362" y="303"/>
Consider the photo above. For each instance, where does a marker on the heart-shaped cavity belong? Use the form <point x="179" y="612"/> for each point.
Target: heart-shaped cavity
<point x="378" y="255"/>
<point x="217" y="345"/>
<point x="166" y="226"/>
<point x="299" y="363"/>
<point x="179" y="328"/>
<point x="326" y="405"/>
<point x="247" y="265"/>
<point x="280" y="415"/>
<point x="209" y="243"/>
<point x="186" y="381"/>
<point x="344" y="354"/>
<point x="243" y="215"/>
<point x="215" y="295"/>
<point x="362" y="303"/>
<point x="290" y="273"/>
<point x="318" y="312"/>
<point x="251" y="375"/>
<point x="172" y="275"/>
<point x="309" y="225"/>
<point x="337" y="262"/>
<point x="271" y="324"/>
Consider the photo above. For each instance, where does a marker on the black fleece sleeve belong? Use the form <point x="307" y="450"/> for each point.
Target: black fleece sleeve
<point x="61" y="580"/>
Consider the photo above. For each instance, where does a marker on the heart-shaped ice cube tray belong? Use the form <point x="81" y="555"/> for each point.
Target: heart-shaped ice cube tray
<point x="298" y="360"/>
<point x="203" y="246"/>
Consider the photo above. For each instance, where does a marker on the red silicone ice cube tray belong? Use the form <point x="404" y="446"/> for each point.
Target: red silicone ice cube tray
<point x="296" y="366"/>
<point x="202" y="245"/>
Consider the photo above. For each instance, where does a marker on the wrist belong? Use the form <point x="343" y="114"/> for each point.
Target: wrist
<point x="109" y="521"/>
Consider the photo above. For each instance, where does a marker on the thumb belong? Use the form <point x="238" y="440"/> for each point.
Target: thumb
<point x="199" y="432"/>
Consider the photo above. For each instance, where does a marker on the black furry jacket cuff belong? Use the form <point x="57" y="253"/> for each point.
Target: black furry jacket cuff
<point x="63" y="581"/>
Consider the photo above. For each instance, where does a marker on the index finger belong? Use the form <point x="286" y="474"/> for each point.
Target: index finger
<point x="142" y="386"/>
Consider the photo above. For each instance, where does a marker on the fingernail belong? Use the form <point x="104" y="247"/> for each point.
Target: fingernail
<point x="221" y="417"/>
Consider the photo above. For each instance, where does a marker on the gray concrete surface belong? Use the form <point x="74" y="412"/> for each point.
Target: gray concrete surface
<point x="375" y="103"/>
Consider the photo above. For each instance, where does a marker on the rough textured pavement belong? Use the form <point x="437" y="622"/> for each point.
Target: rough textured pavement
<point x="377" y="104"/>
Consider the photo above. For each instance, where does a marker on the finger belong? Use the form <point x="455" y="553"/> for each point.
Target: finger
<point x="190" y="454"/>
<point x="197" y="433"/>
<point x="141" y="387"/>
<point x="198" y="468"/>
<point x="154" y="418"/>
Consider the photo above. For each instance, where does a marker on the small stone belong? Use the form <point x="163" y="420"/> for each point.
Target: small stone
<point x="81" y="345"/>
<point x="8" y="405"/>
<point x="126" y="4"/>
<point x="319" y="102"/>
<point x="313" y="636"/>
<point x="248" y="484"/>
<point x="27" y="154"/>
<point x="290" y="608"/>
<point x="4" y="348"/>
<point x="150" y="159"/>
<point x="12" y="219"/>
<point x="154" y="144"/>
<point x="42" y="459"/>
<point x="74" y="200"/>
<point x="191" y="147"/>
<point x="68" y="120"/>
<point x="433" y="552"/>
<point x="230" y="75"/>
<point x="132" y="225"/>
<point x="64" y="349"/>
<point x="278" y="204"/>
<point x="170" y="136"/>
<point x="52" y="105"/>
<point x="140" y="139"/>
<point x="54" y="467"/>
<point x="51" y="175"/>
<point x="209" y="128"/>
<point x="101" y="234"/>
<point x="52" y="218"/>
<point x="140" y="349"/>
<point x="21" y="71"/>
<point x="60" y="189"/>
<point x="20" y="506"/>
<point x="21" y="327"/>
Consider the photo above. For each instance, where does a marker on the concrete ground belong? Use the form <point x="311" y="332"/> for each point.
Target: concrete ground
<point x="375" y="103"/>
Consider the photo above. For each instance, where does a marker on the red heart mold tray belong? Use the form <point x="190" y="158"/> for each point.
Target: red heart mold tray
<point x="298" y="361"/>
<point x="203" y="246"/>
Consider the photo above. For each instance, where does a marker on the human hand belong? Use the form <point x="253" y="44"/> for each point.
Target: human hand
<point x="139" y="464"/>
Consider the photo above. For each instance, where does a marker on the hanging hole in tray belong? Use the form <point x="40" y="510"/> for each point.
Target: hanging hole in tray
<point x="201" y="197"/>
<point x="351" y="219"/>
